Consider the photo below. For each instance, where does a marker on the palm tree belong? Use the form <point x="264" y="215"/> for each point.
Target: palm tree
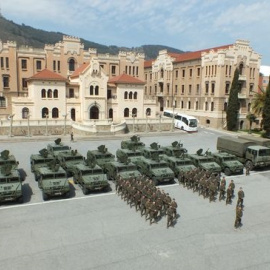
<point x="251" y="118"/>
<point x="258" y="102"/>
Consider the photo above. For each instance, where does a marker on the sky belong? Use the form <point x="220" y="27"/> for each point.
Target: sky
<point x="187" y="25"/>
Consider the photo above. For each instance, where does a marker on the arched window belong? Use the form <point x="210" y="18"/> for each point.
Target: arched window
<point x="135" y="95"/>
<point x="71" y="64"/>
<point x="134" y="112"/>
<point x="49" y="93"/>
<point x="130" y="95"/>
<point x="44" y="112"/>
<point x="55" y="93"/>
<point x="55" y="113"/>
<point x="94" y="112"/>
<point x="241" y="68"/>
<point x="182" y="104"/>
<point x="96" y="90"/>
<point x="212" y="106"/>
<point x="189" y="105"/>
<point x="248" y="107"/>
<point x="91" y="90"/>
<point x="206" y="106"/>
<point x="207" y="121"/>
<point x="148" y="112"/>
<point x="111" y="113"/>
<point x="43" y="93"/>
<point x="126" y="112"/>
<point x="73" y="114"/>
<point x="197" y="105"/>
<point x="126" y="95"/>
<point x="25" y="113"/>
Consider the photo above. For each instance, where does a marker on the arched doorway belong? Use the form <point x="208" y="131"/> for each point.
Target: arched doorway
<point x="94" y="113"/>
<point x="73" y="114"/>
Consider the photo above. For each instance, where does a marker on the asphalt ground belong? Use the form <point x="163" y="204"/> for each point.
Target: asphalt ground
<point x="100" y="231"/>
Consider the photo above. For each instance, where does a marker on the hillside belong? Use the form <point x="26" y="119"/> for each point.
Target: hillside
<point x="37" y="38"/>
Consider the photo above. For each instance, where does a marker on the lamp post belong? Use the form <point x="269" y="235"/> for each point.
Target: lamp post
<point x="46" y="116"/>
<point x="65" y="122"/>
<point x="10" y="117"/>
<point x="172" y="128"/>
<point x="28" y="125"/>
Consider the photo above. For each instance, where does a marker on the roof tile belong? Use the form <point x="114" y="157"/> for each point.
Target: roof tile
<point x="46" y="74"/>
<point x="124" y="78"/>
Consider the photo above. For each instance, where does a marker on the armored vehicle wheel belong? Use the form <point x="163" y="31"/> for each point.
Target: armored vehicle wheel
<point x="20" y="200"/>
<point x="227" y="171"/>
<point x="85" y="190"/>
<point x="67" y="195"/>
<point x="45" y="196"/>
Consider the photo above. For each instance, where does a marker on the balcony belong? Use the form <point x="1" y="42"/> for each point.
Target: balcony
<point x="242" y="78"/>
<point x="242" y="96"/>
<point x="160" y="94"/>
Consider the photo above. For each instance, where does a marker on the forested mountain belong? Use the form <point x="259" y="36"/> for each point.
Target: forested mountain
<point x="37" y="38"/>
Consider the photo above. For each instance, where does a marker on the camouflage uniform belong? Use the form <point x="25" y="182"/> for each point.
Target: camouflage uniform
<point x="241" y="196"/>
<point x="229" y="195"/>
<point x="238" y="219"/>
<point x="232" y="185"/>
<point x="169" y="217"/>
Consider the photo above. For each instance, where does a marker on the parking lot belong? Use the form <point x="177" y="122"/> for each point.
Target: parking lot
<point x="100" y="231"/>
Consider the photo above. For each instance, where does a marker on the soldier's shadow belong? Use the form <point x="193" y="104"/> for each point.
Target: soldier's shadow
<point x="175" y="220"/>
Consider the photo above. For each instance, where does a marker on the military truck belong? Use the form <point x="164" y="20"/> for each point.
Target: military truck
<point x="57" y="147"/>
<point x="40" y="160"/>
<point x="134" y="141"/>
<point x="205" y="161"/>
<point x="90" y="177"/>
<point x="156" y="169"/>
<point x="229" y="163"/>
<point x="132" y="155"/>
<point x="249" y="153"/>
<point x="123" y="167"/>
<point x="153" y="151"/>
<point x="68" y="159"/>
<point x="258" y="140"/>
<point x="10" y="184"/>
<point x="102" y="156"/>
<point x="176" y="149"/>
<point x="6" y="158"/>
<point x="53" y="181"/>
<point x="179" y="165"/>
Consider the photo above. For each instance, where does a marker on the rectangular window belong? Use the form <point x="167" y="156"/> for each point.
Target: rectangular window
<point x="137" y="71"/>
<point x="150" y="77"/>
<point x="6" y="81"/>
<point x="176" y="89"/>
<point x="114" y="70"/>
<point x="145" y="90"/>
<point x="150" y="90"/>
<point x="198" y="89"/>
<point x="7" y="62"/>
<point x="58" y="66"/>
<point x="183" y="73"/>
<point x="176" y="74"/>
<point x="190" y="72"/>
<point x="226" y="70"/>
<point x="24" y="83"/>
<point x="2" y="62"/>
<point x="198" y="72"/>
<point x="54" y="65"/>
<point x="189" y="89"/>
<point x="71" y="93"/>
<point x="212" y="88"/>
<point x="109" y="93"/>
<point x="24" y="64"/>
<point x="155" y="89"/>
<point x="146" y="77"/>
<point x="133" y="71"/>
<point x="206" y="88"/>
<point x="230" y="70"/>
<point x="183" y="90"/>
<point x="251" y="86"/>
<point x="38" y="65"/>
<point x="227" y="88"/>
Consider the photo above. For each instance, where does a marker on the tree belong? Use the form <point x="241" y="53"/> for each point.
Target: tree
<point x="258" y="102"/>
<point x="233" y="103"/>
<point x="251" y="118"/>
<point x="266" y="112"/>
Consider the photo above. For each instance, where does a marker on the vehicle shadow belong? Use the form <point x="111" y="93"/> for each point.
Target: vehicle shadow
<point x="27" y="192"/>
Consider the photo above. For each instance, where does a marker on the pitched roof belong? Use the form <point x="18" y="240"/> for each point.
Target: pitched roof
<point x="124" y="78"/>
<point x="48" y="75"/>
<point x="148" y="63"/>
<point x="79" y="70"/>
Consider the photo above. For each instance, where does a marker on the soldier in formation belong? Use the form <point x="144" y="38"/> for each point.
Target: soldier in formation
<point x="238" y="219"/>
<point x="241" y="196"/>
<point x="152" y="202"/>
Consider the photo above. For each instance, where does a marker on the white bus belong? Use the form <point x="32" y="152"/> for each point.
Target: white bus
<point x="183" y="121"/>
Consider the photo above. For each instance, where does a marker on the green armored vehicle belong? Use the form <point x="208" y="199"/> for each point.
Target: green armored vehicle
<point x="123" y="168"/>
<point x="40" y="160"/>
<point x="10" y="184"/>
<point x="90" y="177"/>
<point x="229" y="163"/>
<point x="174" y="150"/>
<point x="156" y="169"/>
<point x="68" y="159"/>
<point x="205" y="161"/>
<point x="153" y="151"/>
<point x="133" y="142"/>
<point x="132" y="155"/>
<point x="102" y="157"/>
<point x="57" y="147"/>
<point x="6" y="158"/>
<point x="53" y="181"/>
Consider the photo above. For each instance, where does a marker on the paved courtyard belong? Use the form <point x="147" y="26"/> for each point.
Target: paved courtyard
<point x="100" y="231"/>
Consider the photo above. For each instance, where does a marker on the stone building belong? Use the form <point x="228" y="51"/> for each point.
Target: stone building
<point x="198" y="83"/>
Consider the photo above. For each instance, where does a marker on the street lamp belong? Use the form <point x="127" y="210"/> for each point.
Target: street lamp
<point x="28" y="124"/>
<point x="172" y="129"/>
<point x="46" y="116"/>
<point x="65" y="122"/>
<point x="10" y="117"/>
